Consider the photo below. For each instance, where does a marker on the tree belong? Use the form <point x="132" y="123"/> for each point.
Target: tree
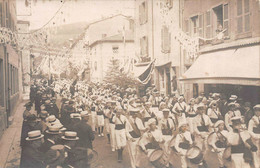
<point x="117" y="76"/>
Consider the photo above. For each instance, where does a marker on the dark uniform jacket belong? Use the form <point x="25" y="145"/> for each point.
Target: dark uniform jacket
<point x="85" y="134"/>
<point x="32" y="158"/>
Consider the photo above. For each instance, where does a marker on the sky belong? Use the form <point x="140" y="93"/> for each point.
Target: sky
<point x="72" y="11"/>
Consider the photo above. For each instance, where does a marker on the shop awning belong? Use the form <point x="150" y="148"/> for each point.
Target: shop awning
<point x="235" y="66"/>
<point x="143" y="73"/>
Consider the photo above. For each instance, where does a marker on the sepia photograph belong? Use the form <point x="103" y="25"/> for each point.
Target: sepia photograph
<point x="129" y="83"/>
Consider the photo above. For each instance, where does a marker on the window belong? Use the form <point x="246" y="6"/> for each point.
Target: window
<point x="195" y="25"/>
<point x="243" y="16"/>
<point x="144" y="45"/>
<point x="226" y="19"/>
<point x="166" y="39"/>
<point x="208" y="24"/>
<point x="143" y="13"/>
<point x="1" y="83"/>
<point x="187" y="27"/>
<point x="115" y="49"/>
<point x="200" y="28"/>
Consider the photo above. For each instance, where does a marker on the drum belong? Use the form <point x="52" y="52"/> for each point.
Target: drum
<point x="158" y="159"/>
<point x="195" y="155"/>
<point x="227" y="154"/>
<point x="172" y="144"/>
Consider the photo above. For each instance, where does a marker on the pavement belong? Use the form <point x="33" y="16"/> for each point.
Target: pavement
<point x="10" y="150"/>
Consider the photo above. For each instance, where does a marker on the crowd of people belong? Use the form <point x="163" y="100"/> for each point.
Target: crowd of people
<point x="154" y="128"/>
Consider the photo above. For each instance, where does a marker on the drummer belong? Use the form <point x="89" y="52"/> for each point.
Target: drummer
<point x="254" y="130"/>
<point x="239" y="140"/>
<point x="202" y="125"/>
<point x="183" y="142"/>
<point x="218" y="140"/>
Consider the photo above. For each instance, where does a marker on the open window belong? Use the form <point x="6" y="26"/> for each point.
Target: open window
<point x="143" y="13"/>
<point x="220" y="20"/>
<point x="194" y="25"/>
<point x="144" y="46"/>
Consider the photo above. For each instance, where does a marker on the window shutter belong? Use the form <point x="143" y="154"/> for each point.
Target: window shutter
<point x="146" y="45"/>
<point x="162" y="38"/>
<point x="226" y="19"/>
<point x="201" y="25"/>
<point x="141" y="46"/>
<point x="246" y="15"/>
<point x="146" y="12"/>
<point x="140" y="14"/>
<point x="187" y="27"/>
<point x="208" y="25"/>
<point x="169" y="42"/>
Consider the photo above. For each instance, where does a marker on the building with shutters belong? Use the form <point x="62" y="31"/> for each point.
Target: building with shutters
<point x="156" y="24"/>
<point x="106" y="39"/>
<point x="10" y="67"/>
<point x="229" y="45"/>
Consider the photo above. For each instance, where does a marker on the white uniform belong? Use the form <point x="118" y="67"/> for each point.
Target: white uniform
<point x="93" y="116"/>
<point x="180" y="109"/>
<point x="237" y="150"/>
<point x="254" y="130"/>
<point x="228" y="116"/>
<point x="213" y="114"/>
<point x="181" y="142"/>
<point x="191" y="110"/>
<point x="219" y="141"/>
<point x="100" y="116"/>
<point x="120" y="131"/>
<point x="201" y="125"/>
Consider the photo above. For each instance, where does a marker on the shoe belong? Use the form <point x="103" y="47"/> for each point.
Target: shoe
<point x="99" y="135"/>
<point x="102" y="134"/>
<point x="113" y="150"/>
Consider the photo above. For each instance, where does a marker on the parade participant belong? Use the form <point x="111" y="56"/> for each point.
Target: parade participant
<point x="93" y="113"/>
<point x="84" y="131"/>
<point x="111" y="115"/>
<point x="152" y="139"/>
<point x="180" y="110"/>
<point x="120" y="132"/>
<point x="191" y="113"/>
<point x="106" y="118"/>
<point x="31" y="156"/>
<point x="231" y="113"/>
<point x="254" y="130"/>
<point x="52" y="136"/>
<point x="218" y="141"/>
<point x="248" y="112"/>
<point x="183" y="142"/>
<point x="167" y="126"/>
<point x="135" y="129"/>
<point x="202" y="127"/>
<point x="213" y="112"/>
<point x="241" y="145"/>
<point x="100" y="118"/>
<point x="146" y="113"/>
<point x="233" y="99"/>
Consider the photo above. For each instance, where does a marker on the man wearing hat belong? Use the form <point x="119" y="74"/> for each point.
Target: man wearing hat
<point x="27" y="111"/>
<point x="254" y="130"/>
<point x="213" y="112"/>
<point x="183" y="142"/>
<point x="191" y="113"/>
<point x="120" y="132"/>
<point x="231" y="113"/>
<point x="180" y="109"/>
<point x="74" y="118"/>
<point x="38" y="101"/>
<point x="100" y="118"/>
<point x="135" y="130"/>
<point x="31" y="157"/>
<point x="42" y="116"/>
<point x="248" y="112"/>
<point x="218" y="141"/>
<point x="52" y="135"/>
<point x="84" y="131"/>
<point x="202" y="126"/>
<point x="241" y="144"/>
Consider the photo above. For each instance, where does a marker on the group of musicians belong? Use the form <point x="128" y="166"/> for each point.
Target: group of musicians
<point x="157" y="130"/>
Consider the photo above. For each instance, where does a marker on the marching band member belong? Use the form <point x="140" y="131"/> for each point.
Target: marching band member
<point x="135" y="129"/>
<point x="241" y="144"/>
<point x="191" y="112"/>
<point x="106" y="119"/>
<point x="100" y="118"/>
<point x="219" y="141"/>
<point x="231" y="113"/>
<point x="147" y="113"/>
<point x="111" y="115"/>
<point x="120" y="132"/>
<point x="213" y="112"/>
<point x="254" y="130"/>
<point x="201" y="125"/>
<point x="183" y="142"/>
<point x="93" y="113"/>
<point x="167" y="127"/>
<point x="180" y="109"/>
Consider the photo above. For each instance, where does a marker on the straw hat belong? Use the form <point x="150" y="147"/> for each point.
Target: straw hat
<point x="70" y="135"/>
<point x="34" y="135"/>
<point x="54" y="129"/>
